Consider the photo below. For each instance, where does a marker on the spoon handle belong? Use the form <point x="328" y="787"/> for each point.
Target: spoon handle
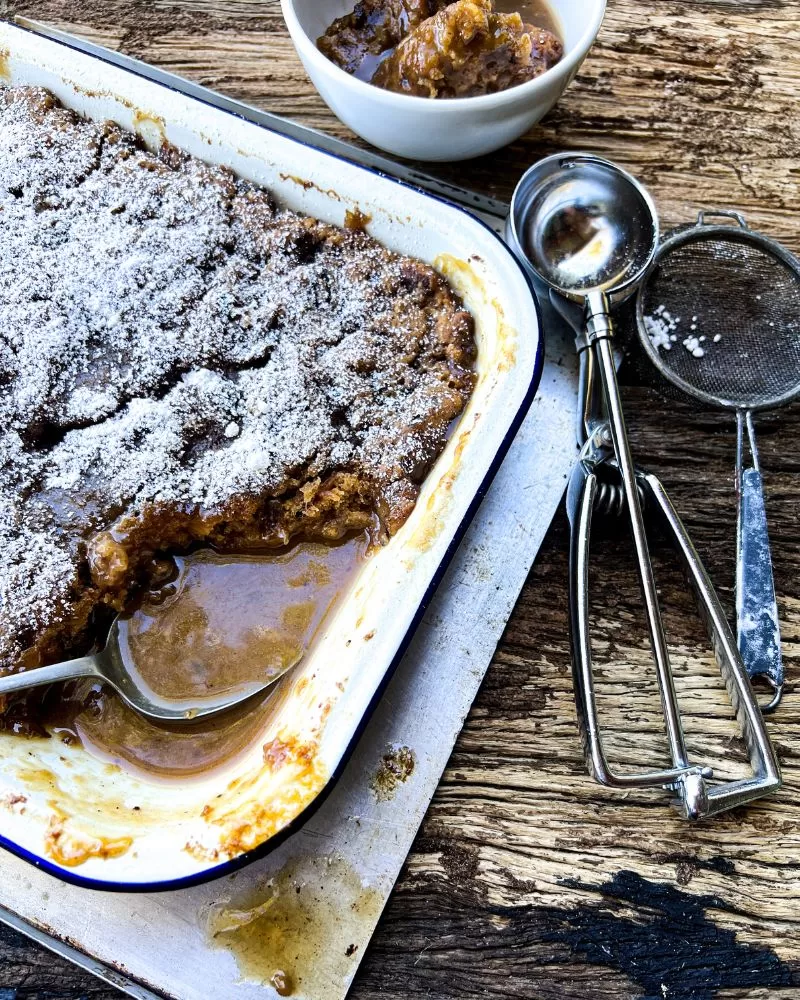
<point x="84" y="666"/>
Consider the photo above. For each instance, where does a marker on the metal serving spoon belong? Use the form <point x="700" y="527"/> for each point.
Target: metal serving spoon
<point x="114" y="665"/>
<point x="589" y="231"/>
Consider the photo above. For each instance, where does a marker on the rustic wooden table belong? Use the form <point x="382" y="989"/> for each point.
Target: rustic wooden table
<point x="526" y="879"/>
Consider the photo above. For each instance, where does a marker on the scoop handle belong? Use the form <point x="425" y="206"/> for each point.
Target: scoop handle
<point x="757" y="623"/>
<point x="599" y="330"/>
<point x="84" y="666"/>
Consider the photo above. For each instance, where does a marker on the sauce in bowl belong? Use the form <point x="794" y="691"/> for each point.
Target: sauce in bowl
<point x="537" y="12"/>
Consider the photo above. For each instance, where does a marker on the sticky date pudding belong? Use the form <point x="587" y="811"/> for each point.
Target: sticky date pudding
<point x="432" y="48"/>
<point x="184" y="364"/>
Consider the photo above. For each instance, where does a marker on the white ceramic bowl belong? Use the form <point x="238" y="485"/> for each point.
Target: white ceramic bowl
<point x="424" y="129"/>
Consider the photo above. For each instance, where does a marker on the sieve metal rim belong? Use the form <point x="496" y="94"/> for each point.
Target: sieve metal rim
<point x="698" y="232"/>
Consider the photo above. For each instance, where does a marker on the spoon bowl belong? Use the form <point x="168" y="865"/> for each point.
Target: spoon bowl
<point x="114" y="666"/>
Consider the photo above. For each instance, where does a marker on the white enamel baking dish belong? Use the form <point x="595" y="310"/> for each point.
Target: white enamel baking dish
<point x="91" y="823"/>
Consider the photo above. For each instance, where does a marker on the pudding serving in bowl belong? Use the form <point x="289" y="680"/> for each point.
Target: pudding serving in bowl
<point x="463" y="81"/>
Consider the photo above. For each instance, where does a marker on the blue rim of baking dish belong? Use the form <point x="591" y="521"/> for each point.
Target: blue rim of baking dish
<point x="269" y="845"/>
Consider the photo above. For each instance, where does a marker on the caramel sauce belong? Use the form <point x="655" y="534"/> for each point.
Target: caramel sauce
<point x="72" y="849"/>
<point x="228" y="620"/>
<point x="285" y="932"/>
<point x="369" y="65"/>
<point x="222" y="621"/>
<point x="536" y="12"/>
<point x="356" y="220"/>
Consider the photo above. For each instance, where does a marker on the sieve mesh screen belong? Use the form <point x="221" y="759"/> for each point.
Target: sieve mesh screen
<point x="743" y="301"/>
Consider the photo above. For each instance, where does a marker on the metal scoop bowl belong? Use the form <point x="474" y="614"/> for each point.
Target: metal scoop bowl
<point x="589" y="231"/>
<point x="114" y="666"/>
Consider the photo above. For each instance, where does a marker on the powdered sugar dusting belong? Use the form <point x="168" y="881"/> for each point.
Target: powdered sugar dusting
<point x="662" y="327"/>
<point x="169" y="336"/>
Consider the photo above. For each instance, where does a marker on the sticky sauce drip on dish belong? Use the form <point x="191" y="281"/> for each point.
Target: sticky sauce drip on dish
<point x="222" y="621"/>
<point x="285" y="933"/>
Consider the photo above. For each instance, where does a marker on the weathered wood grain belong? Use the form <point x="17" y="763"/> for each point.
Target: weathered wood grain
<point x="527" y="880"/>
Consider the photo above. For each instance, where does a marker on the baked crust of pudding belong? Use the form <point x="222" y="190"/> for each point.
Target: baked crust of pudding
<point x="184" y="363"/>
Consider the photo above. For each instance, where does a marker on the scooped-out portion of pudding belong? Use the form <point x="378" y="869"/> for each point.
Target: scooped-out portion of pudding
<point x="183" y="363"/>
<point x="462" y="49"/>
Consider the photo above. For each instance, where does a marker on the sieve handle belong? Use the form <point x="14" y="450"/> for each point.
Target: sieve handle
<point x="757" y="622"/>
<point x="721" y="213"/>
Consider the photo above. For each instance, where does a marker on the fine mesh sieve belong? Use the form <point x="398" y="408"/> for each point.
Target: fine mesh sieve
<point x="733" y="284"/>
<point x="719" y="317"/>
